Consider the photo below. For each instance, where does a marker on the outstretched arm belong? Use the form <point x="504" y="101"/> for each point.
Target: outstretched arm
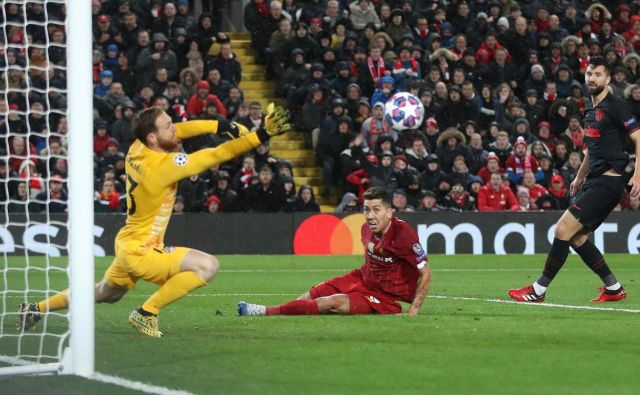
<point x="177" y="166"/>
<point x="185" y="130"/>
<point x="424" y="282"/>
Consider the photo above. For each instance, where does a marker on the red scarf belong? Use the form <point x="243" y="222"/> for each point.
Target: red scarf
<point x="376" y="70"/>
<point x="576" y="138"/>
<point x="459" y="199"/>
<point x="400" y="66"/>
<point x="113" y="199"/>
<point x="374" y="132"/>
<point x="262" y="8"/>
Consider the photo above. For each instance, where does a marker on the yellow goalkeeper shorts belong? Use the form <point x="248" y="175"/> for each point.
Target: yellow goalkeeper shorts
<point x="156" y="266"/>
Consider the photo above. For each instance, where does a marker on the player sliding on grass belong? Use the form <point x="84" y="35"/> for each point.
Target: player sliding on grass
<point x="154" y="167"/>
<point x="599" y="186"/>
<point x="395" y="269"/>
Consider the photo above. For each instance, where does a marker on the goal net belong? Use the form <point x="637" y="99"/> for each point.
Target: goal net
<point x="46" y="185"/>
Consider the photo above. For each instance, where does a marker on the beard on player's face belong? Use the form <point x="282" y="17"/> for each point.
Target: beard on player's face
<point x="595" y="89"/>
<point x="168" y="144"/>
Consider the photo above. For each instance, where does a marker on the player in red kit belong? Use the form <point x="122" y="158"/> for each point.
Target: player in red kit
<point x="395" y="270"/>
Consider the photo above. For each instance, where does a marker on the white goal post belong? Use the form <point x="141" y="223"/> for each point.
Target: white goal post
<point x="75" y="345"/>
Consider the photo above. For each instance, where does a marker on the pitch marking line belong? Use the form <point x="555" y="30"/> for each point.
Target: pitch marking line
<point x="471" y="299"/>
<point x="136" y="385"/>
<point x="434" y="270"/>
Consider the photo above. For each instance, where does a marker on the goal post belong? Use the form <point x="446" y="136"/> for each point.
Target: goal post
<point x="81" y="261"/>
<point x="65" y="341"/>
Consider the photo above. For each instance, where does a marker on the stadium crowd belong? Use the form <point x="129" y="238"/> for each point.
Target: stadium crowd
<point x="501" y="82"/>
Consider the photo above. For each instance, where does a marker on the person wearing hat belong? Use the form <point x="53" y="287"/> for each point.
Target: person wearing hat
<point x="222" y="189"/>
<point x="343" y="78"/>
<point x="106" y="79"/>
<point x="213" y="205"/>
<point x="101" y="137"/>
<point x="458" y="199"/>
<point x="398" y="26"/>
<point x="405" y="70"/>
<point x="521" y="161"/>
<point x="362" y="12"/>
<point x="432" y="174"/>
<point x="558" y="196"/>
<point x="157" y="55"/>
<point x="400" y="203"/>
<point x="294" y="74"/>
<point x="197" y="103"/>
<point x="533" y="108"/>
<point x="386" y="90"/>
<point x="429" y="202"/>
<point x="536" y="80"/>
<point x="525" y="202"/>
<point x="110" y="60"/>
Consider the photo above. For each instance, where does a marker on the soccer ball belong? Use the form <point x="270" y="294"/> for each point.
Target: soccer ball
<point x="403" y="111"/>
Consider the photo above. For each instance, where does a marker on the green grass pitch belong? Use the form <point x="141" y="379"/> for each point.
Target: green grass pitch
<point x="455" y="346"/>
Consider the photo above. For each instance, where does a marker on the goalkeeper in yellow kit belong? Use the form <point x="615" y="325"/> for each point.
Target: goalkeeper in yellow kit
<point x="153" y="168"/>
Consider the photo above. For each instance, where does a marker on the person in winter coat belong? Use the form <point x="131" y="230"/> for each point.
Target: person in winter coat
<point x="458" y="199"/>
<point x="305" y="201"/>
<point x="496" y="196"/>
<point x="451" y="143"/>
<point x="520" y="162"/>
<point x="492" y="165"/>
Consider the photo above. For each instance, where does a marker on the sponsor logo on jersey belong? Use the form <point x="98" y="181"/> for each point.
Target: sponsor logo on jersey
<point x="592" y="132"/>
<point x="373" y="299"/>
<point x="181" y="159"/>
<point x="599" y="115"/>
<point x="630" y="121"/>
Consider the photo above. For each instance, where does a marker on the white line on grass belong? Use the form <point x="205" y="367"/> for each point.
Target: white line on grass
<point x="562" y="306"/>
<point x="472" y="299"/>
<point x="435" y="270"/>
<point x="136" y="385"/>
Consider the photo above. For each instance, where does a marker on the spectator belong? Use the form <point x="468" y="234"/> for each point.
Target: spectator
<point x="348" y="204"/>
<point x="198" y="102"/>
<point x="525" y="202"/>
<point x="266" y="195"/>
<point x="213" y="205"/>
<point x="451" y="143"/>
<point x="400" y="203"/>
<point x="363" y="13"/>
<point x="492" y="165"/>
<point x="428" y="202"/>
<point x="227" y="64"/>
<point x="458" y="199"/>
<point x="108" y="199"/>
<point x="535" y="190"/>
<point x="242" y="179"/>
<point x="194" y="191"/>
<point x="495" y="196"/>
<point x="255" y="119"/>
<point x="330" y="146"/>
<point x="521" y="161"/>
<point x="157" y="55"/>
<point x="570" y="169"/>
<point x="306" y="201"/>
<point x="417" y="155"/>
<point x="222" y="189"/>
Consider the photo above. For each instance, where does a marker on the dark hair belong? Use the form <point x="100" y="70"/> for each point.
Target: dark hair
<point x="596" y="61"/>
<point x="378" y="193"/>
<point x="144" y="123"/>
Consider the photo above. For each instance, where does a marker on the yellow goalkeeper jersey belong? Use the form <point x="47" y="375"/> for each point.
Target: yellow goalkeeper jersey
<point x="152" y="182"/>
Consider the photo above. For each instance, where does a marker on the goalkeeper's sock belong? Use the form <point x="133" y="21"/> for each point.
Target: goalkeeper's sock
<point x="295" y="307"/>
<point x="56" y="302"/>
<point x="175" y="288"/>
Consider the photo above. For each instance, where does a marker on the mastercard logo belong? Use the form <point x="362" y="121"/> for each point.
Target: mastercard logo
<point x="325" y="234"/>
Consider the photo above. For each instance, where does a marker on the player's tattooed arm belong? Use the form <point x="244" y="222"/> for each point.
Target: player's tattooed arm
<point x="424" y="282"/>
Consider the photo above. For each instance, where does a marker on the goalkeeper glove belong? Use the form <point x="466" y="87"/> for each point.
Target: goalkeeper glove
<point x="276" y="122"/>
<point x="231" y="129"/>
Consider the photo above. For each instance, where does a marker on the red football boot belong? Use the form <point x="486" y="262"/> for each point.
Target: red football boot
<point x="606" y="296"/>
<point x="526" y="295"/>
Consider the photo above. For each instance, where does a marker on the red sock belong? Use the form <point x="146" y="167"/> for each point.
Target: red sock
<point x="295" y="307"/>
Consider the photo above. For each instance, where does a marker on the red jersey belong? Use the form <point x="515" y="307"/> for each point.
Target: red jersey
<point x="392" y="262"/>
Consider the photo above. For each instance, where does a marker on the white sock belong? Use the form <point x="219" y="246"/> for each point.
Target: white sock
<point x="614" y="287"/>
<point x="539" y="289"/>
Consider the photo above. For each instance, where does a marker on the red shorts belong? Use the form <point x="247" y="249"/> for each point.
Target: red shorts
<point x="362" y="300"/>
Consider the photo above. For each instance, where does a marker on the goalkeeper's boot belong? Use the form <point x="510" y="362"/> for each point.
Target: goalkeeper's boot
<point x="28" y="316"/>
<point x="147" y="325"/>
<point x="610" y="296"/>
<point x="526" y="295"/>
<point x="245" y="308"/>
